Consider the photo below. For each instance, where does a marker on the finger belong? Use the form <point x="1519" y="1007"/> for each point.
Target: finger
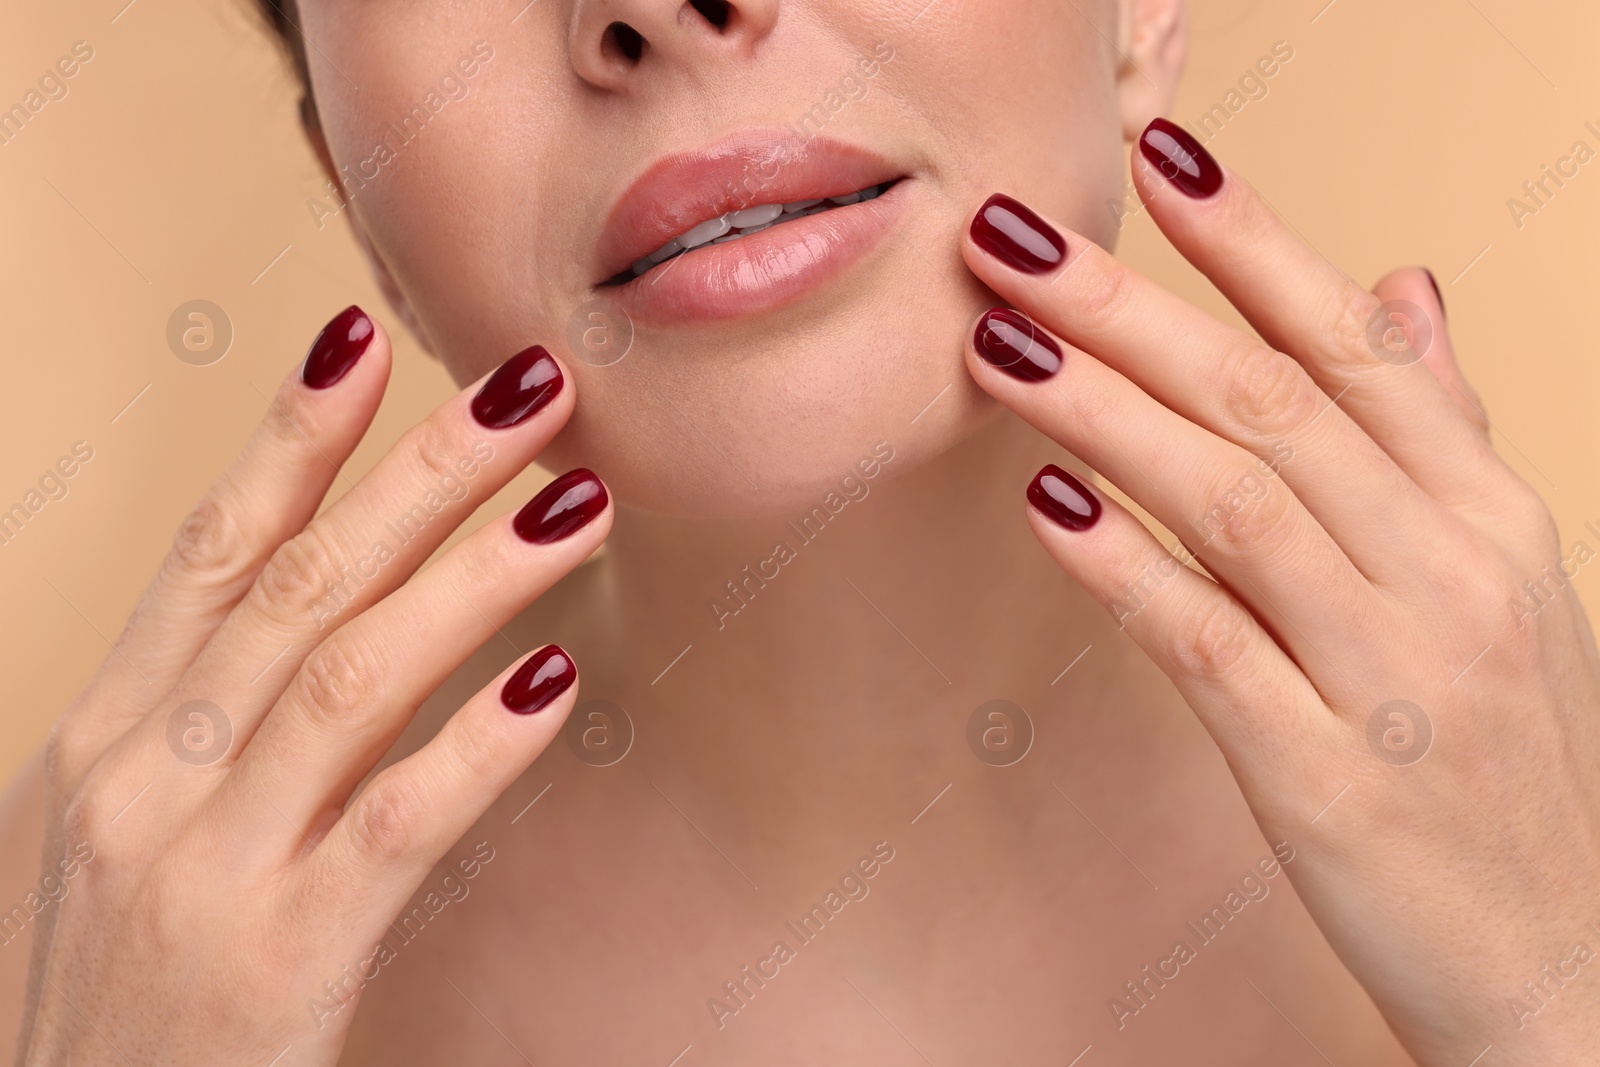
<point x="266" y="495"/>
<point x="1235" y="512"/>
<point x="1220" y="658"/>
<point x="1418" y="286"/>
<point x="374" y="537"/>
<point x="373" y="859"/>
<point x="1215" y="376"/>
<point x="361" y="686"/>
<point x="1303" y="306"/>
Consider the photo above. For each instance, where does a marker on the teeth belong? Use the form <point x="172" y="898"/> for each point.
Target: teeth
<point x="746" y="221"/>
<point x="706" y="232"/>
<point x="670" y="248"/>
<point x="755" y="216"/>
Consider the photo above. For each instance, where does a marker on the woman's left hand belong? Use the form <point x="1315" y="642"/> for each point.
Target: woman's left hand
<point x="1389" y="656"/>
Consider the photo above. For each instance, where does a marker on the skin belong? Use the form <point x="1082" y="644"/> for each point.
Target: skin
<point x="1407" y="906"/>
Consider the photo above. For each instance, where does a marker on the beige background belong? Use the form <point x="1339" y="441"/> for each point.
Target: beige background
<point x="174" y="170"/>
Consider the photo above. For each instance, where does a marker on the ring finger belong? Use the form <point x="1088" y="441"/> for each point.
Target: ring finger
<point x="1243" y="522"/>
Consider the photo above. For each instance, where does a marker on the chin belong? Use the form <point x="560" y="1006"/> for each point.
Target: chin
<point x="770" y="437"/>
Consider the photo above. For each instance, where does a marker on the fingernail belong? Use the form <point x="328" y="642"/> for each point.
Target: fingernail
<point x="1009" y="340"/>
<point x="561" y="507"/>
<point x="518" y="389"/>
<point x="1017" y="237"/>
<point x="1184" y="162"/>
<point x="1067" y="501"/>
<point x="1435" y="283"/>
<point x="544" y="676"/>
<point x="337" y="348"/>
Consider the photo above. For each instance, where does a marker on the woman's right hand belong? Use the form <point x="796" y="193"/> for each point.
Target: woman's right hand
<point x="199" y="791"/>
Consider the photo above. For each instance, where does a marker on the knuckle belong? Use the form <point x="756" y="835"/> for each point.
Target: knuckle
<point x="86" y="815"/>
<point x="1350" y="318"/>
<point x="387" y="820"/>
<point x="340" y="677"/>
<point x="1248" y="508"/>
<point x="209" y="543"/>
<point x="1216" y="639"/>
<point x="1102" y="292"/>
<point x="71" y="748"/>
<point x="1530" y="520"/>
<point x="296" y="576"/>
<point x="433" y="449"/>
<point x="1267" y="392"/>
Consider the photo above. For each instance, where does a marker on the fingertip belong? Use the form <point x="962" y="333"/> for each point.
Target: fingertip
<point x="539" y="681"/>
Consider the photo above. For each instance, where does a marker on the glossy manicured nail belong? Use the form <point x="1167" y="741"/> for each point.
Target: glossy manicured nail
<point x="561" y="507"/>
<point x="1017" y="237"/>
<point x="518" y="389"/>
<point x="1066" y="500"/>
<point x="1435" y="283"/>
<point x="1010" y="341"/>
<point x="1184" y="162"/>
<point x="337" y="348"/>
<point x="544" y="676"/>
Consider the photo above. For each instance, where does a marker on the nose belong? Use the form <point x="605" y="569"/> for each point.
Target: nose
<point x="614" y="42"/>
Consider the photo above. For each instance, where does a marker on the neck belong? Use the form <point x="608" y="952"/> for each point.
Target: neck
<point x="852" y="659"/>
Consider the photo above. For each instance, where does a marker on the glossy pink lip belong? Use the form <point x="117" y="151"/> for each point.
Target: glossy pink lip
<point x="763" y="270"/>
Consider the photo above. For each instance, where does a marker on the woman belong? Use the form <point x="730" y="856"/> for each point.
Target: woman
<point x="740" y="260"/>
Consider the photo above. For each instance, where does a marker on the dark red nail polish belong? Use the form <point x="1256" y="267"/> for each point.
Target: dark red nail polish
<point x="1184" y="162"/>
<point x="561" y="507"/>
<point x="337" y="348"/>
<point x="1009" y="340"/>
<point x="1435" y="283"/>
<point x="1066" y="500"/>
<point x="544" y="676"/>
<point x="1017" y="237"/>
<point x="520" y="387"/>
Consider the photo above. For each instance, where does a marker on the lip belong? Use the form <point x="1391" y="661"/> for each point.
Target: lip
<point x="761" y="271"/>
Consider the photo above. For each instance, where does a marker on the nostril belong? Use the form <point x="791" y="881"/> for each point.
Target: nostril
<point x="715" y="12"/>
<point x="623" y="40"/>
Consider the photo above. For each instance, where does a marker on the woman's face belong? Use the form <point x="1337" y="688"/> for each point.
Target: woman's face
<point x="505" y="160"/>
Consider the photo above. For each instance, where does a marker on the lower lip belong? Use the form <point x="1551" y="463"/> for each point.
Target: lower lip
<point x="761" y="272"/>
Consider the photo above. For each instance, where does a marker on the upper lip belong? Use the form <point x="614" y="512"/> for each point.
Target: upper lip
<point x="758" y="166"/>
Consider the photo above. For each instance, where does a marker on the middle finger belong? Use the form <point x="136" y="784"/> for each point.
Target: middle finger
<point x="369" y="541"/>
<point x="1213" y="375"/>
